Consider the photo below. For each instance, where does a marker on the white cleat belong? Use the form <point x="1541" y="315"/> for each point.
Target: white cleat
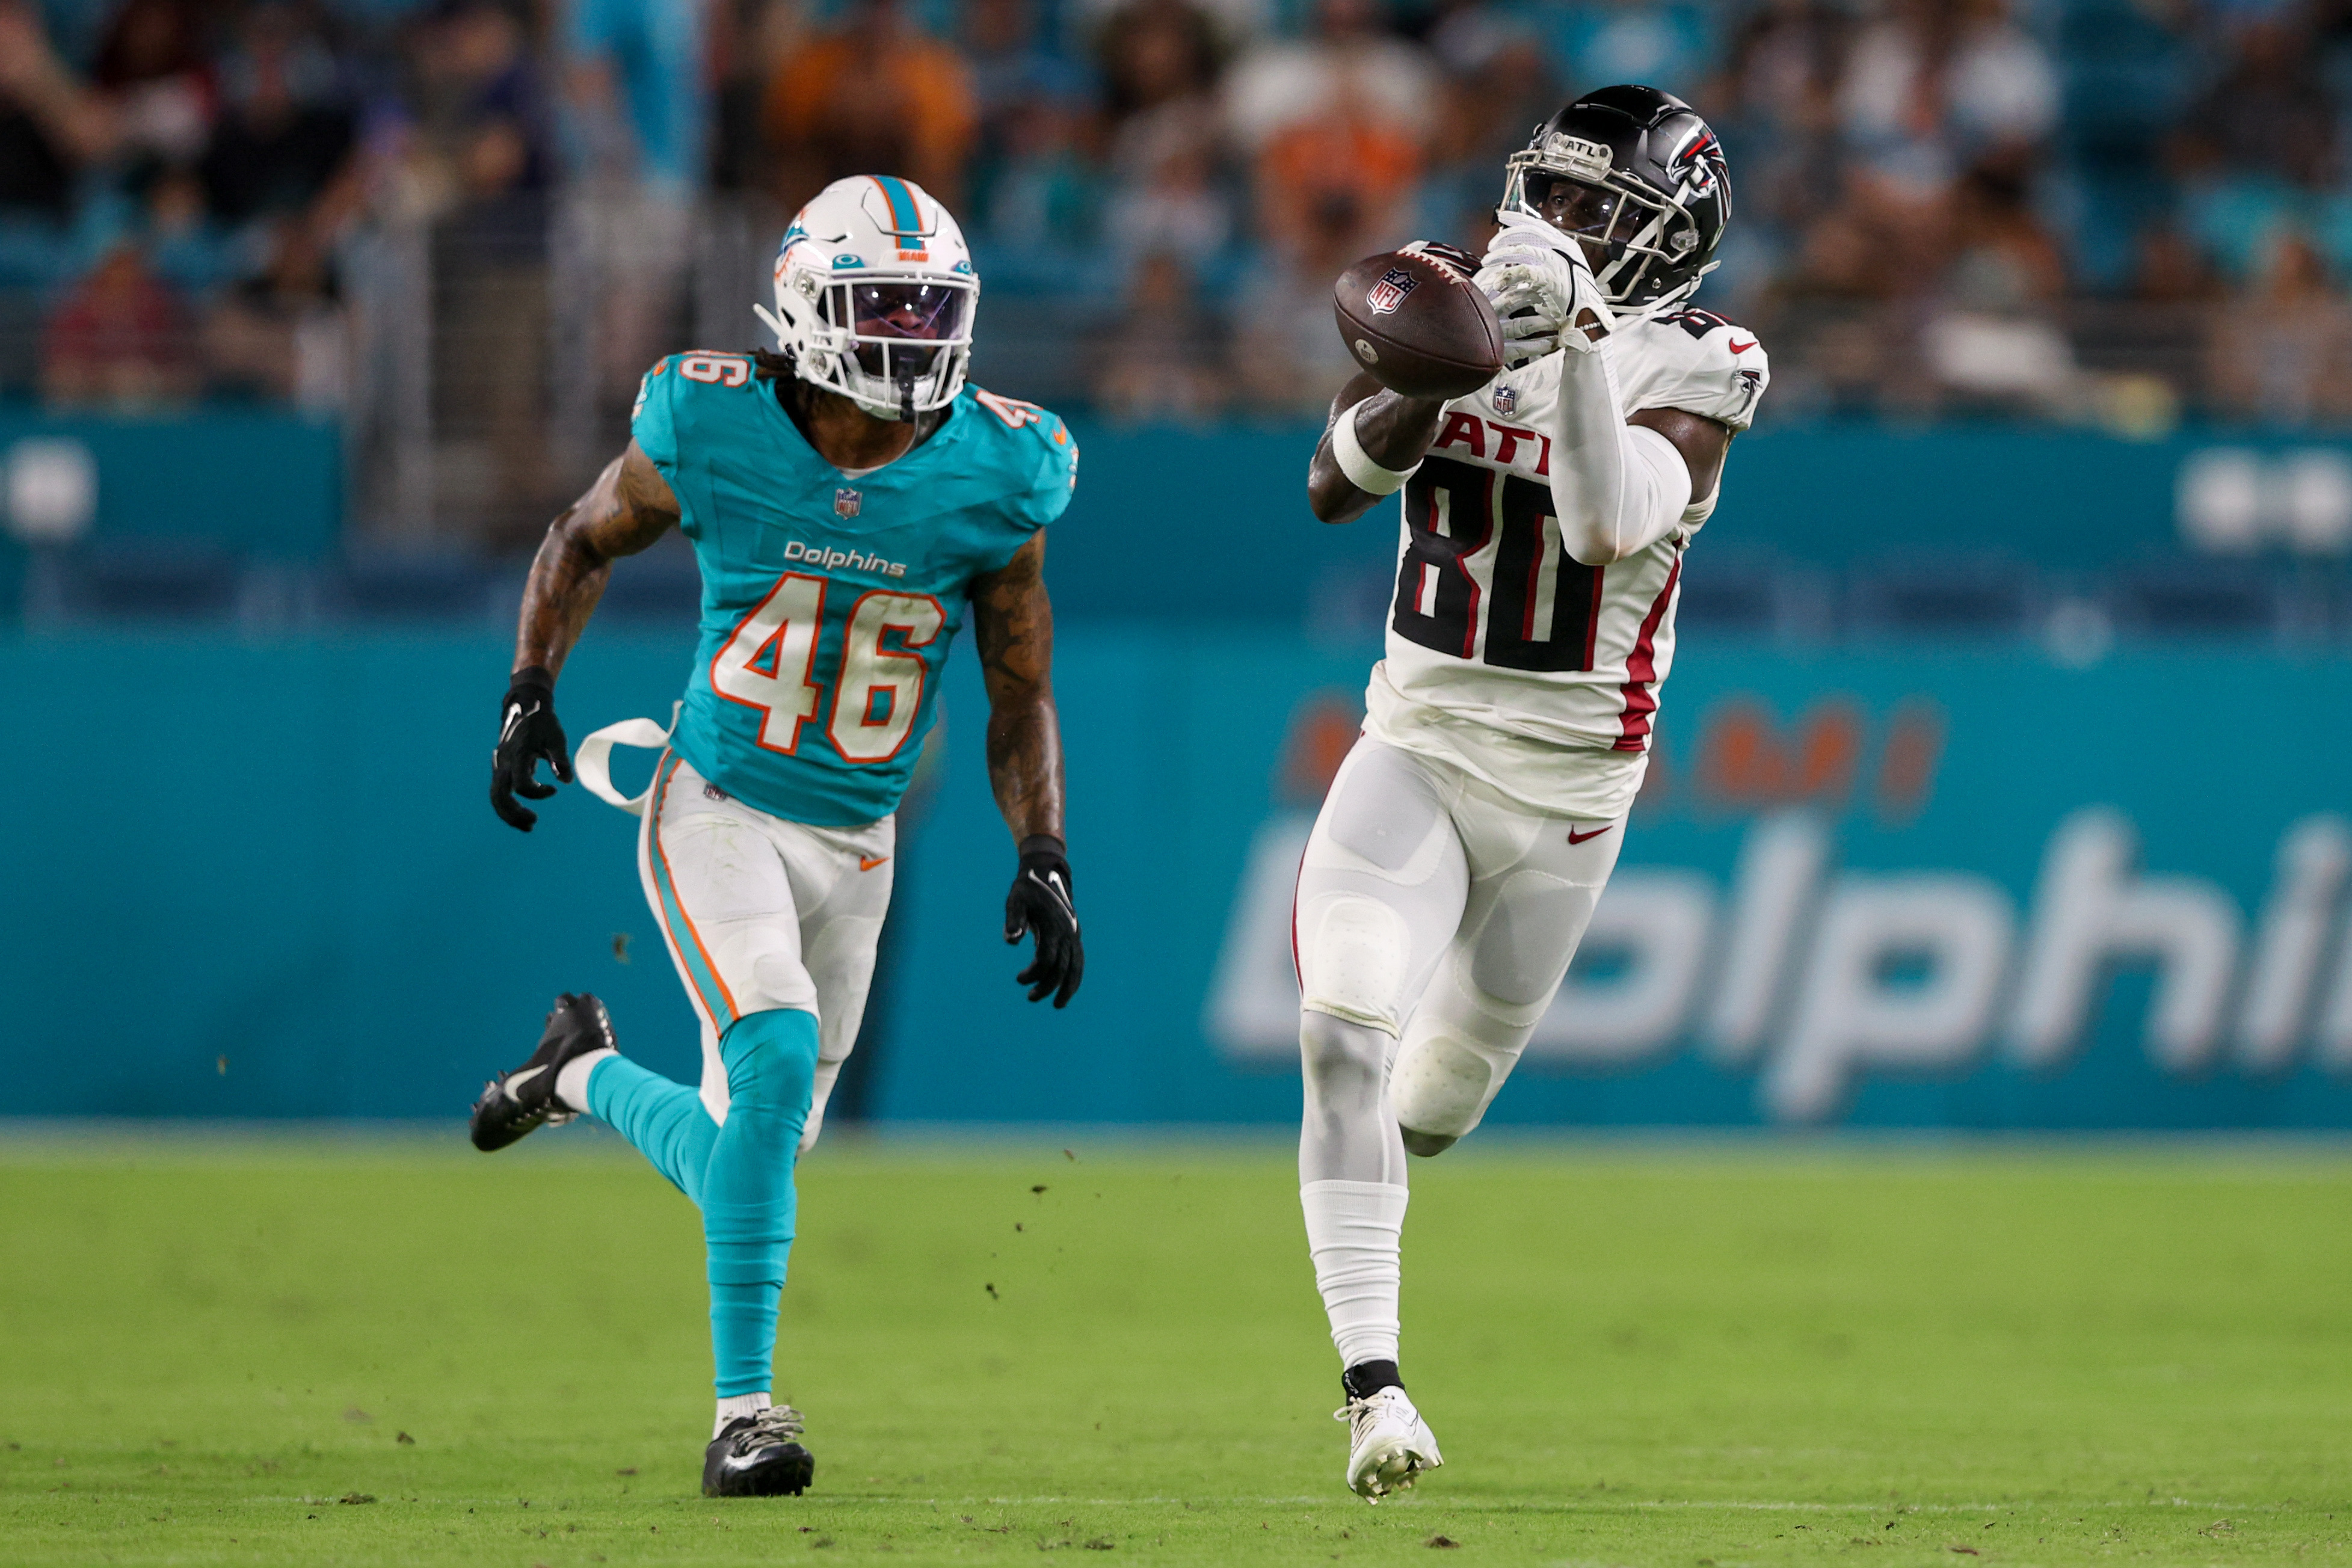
<point x="1389" y="1444"/>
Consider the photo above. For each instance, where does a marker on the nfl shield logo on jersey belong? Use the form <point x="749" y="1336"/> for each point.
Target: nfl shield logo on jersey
<point x="1389" y="291"/>
<point x="1505" y="400"/>
<point x="848" y="502"/>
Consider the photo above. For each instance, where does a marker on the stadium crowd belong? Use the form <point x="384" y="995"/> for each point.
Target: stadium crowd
<point x="2112" y="211"/>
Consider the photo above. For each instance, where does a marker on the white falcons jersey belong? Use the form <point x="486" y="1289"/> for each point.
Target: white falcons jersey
<point x="1505" y="656"/>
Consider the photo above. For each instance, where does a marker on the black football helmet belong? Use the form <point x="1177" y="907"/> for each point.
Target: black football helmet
<point x="1639" y="179"/>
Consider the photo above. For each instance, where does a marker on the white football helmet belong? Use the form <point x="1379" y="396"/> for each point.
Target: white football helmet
<point x="876" y="296"/>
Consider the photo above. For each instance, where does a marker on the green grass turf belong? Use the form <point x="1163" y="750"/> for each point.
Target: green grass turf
<point x="396" y="1353"/>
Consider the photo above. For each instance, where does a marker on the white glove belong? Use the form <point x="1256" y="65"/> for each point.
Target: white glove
<point x="1543" y="289"/>
<point x="1528" y="306"/>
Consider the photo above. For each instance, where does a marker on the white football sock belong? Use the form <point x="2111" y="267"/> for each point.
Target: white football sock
<point x="572" y="1084"/>
<point x="736" y="1408"/>
<point x="1354" y="1233"/>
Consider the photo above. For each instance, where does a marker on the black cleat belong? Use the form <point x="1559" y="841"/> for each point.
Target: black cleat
<point x="758" y="1456"/>
<point x="515" y="1103"/>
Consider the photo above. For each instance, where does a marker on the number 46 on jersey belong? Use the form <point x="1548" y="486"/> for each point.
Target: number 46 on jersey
<point x="767" y="662"/>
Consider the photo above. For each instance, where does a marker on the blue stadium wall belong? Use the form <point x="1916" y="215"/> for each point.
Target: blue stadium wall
<point x="255" y="876"/>
<point x="1916" y="890"/>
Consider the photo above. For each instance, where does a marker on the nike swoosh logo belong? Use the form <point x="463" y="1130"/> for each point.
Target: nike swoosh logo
<point x="1737" y="347"/>
<point x="867" y="863"/>
<point x="1575" y="838"/>
<point x="518" y="1079"/>
<point x="1053" y="884"/>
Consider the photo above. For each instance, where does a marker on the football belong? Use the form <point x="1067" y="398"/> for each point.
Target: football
<point x="1417" y="324"/>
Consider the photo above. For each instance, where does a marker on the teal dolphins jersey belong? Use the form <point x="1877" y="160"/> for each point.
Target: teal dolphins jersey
<point x="828" y="603"/>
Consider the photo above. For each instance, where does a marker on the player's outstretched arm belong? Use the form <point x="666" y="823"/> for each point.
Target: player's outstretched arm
<point x="1389" y="435"/>
<point x="626" y="509"/>
<point x="1012" y="621"/>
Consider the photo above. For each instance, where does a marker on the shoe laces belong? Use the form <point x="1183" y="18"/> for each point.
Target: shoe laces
<point x="1358" y="1412"/>
<point x="776" y="1424"/>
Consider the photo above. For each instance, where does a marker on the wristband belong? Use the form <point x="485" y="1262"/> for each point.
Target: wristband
<point x="1357" y="463"/>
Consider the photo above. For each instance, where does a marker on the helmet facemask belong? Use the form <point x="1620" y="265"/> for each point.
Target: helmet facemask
<point x="897" y="346"/>
<point x="1634" y="238"/>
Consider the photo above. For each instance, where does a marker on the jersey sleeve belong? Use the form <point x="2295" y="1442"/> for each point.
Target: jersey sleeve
<point x="653" y="420"/>
<point x="1711" y="368"/>
<point x="1052" y="472"/>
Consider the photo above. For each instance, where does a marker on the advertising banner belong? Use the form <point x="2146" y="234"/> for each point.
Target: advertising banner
<point x="1864" y="887"/>
<point x="1883" y="888"/>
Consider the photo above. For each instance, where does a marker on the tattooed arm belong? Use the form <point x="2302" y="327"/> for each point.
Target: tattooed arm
<point x="1013" y="621"/>
<point x="626" y="509"/>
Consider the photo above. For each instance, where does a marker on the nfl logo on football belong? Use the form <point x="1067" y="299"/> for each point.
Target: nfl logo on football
<point x="1389" y="291"/>
<point x="848" y="502"/>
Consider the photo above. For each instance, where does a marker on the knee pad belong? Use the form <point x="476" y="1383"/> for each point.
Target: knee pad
<point x="770" y="1061"/>
<point x="1441" y="1086"/>
<point x="1351" y="959"/>
<point x="761" y="962"/>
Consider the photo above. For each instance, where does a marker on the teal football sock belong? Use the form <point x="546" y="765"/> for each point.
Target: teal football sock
<point x="747" y="1188"/>
<point x="663" y="1121"/>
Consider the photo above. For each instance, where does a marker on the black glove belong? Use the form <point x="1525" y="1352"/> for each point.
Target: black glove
<point x="1040" y="904"/>
<point x="526" y="732"/>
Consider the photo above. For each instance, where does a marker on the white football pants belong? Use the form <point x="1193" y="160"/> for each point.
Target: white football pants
<point x="761" y="913"/>
<point x="1435" y="920"/>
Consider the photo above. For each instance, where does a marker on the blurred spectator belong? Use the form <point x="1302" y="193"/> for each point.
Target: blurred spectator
<point x="1228" y="23"/>
<point x="1169" y="200"/>
<point x="119" y="339"/>
<point x="1926" y="223"/>
<point x="1935" y="83"/>
<point x="151" y="68"/>
<point x="1169" y="190"/>
<point x="635" y="92"/>
<point x="633" y="83"/>
<point x="1346" y="65"/>
<point x="279" y="336"/>
<point x="50" y="124"/>
<point x="477" y="145"/>
<point x="870" y="93"/>
<point x="1667" y="45"/>
<point x="283" y="146"/>
<point x="1155" y="54"/>
<point x="2269" y="114"/>
<point x="1776" y="106"/>
<point x="477" y="160"/>
<point x="2283" y="351"/>
<point x="1348" y="159"/>
<point x="1010" y="66"/>
<point x="1498" y="86"/>
<point x="746" y="37"/>
<point x="1038" y="205"/>
<point x="1995" y="343"/>
<point x="1290" y="358"/>
<point x="1161" y="362"/>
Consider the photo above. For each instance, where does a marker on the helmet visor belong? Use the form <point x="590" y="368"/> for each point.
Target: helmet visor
<point x="903" y="328"/>
<point x="933" y="311"/>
